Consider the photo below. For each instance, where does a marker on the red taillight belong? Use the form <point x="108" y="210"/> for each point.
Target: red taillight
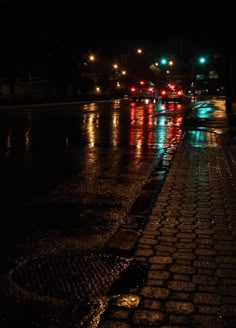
<point x="180" y="92"/>
<point x="132" y="89"/>
<point x="150" y="89"/>
<point x="141" y="82"/>
<point x="163" y="92"/>
<point x="171" y="86"/>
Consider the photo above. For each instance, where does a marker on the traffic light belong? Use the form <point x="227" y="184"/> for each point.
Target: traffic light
<point x="163" y="61"/>
<point x="202" y="60"/>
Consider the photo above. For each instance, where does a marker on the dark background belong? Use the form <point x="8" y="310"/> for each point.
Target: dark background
<point x="51" y="39"/>
<point x="113" y="24"/>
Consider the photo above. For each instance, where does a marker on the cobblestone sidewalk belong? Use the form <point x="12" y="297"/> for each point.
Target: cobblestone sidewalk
<point x="188" y="244"/>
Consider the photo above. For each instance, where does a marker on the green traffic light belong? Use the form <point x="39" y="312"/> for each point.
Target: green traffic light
<point x="202" y="60"/>
<point x="163" y="61"/>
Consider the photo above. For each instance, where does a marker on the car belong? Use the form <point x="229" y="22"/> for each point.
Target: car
<point x="144" y="90"/>
<point x="172" y="93"/>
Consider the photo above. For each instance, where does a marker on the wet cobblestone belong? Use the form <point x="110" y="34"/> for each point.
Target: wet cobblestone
<point x="192" y="267"/>
<point x="147" y="318"/>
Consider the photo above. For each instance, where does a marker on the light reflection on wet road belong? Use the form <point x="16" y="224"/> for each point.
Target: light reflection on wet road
<point x="74" y="170"/>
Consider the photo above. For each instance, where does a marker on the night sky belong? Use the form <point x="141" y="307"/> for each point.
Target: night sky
<point x="111" y="25"/>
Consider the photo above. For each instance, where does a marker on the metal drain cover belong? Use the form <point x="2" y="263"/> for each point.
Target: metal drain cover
<point x="62" y="290"/>
<point x="68" y="277"/>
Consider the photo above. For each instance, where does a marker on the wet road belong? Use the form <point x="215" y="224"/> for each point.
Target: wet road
<point x="66" y="190"/>
<point x="70" y="173"/>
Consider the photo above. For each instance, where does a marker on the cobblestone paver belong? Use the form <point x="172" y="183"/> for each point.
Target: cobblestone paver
<point x="189" y="243"/>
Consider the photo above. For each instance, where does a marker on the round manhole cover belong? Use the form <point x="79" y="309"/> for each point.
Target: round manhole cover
<point x="67" y="277"/>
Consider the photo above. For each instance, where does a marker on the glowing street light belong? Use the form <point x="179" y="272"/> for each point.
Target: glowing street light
<point x="115" y="75"/>
<point x="92" y="58"/>
<point x="139" y="51"/>
<point x="165" y="61"/>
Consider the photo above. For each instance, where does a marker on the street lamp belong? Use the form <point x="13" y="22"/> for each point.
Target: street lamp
<point x="165" y="66"/>
<point x="115" y="73"/>
<point x="165" y="61"/>
<point x="91" y="58"/>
